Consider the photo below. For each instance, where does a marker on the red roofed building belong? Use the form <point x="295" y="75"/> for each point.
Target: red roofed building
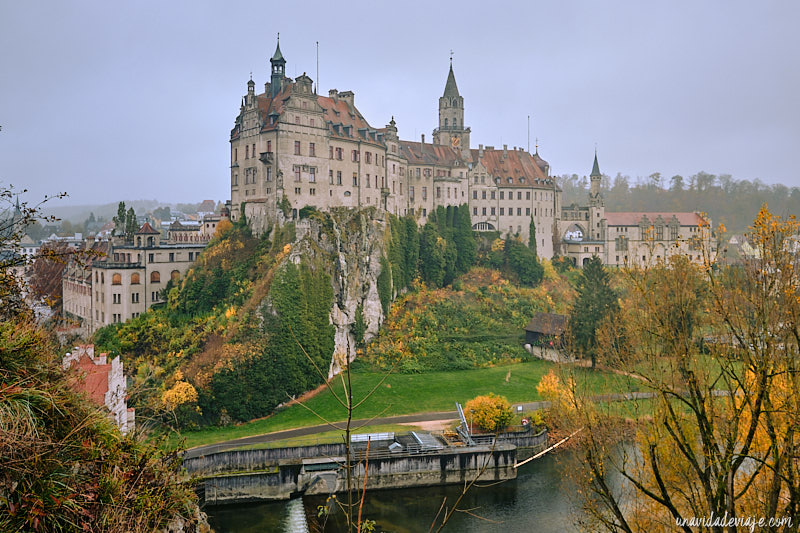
<point x="630" y="238"/>
<point x="103" y="382"/>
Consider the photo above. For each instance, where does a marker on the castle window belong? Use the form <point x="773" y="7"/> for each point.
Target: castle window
<point x="247" y="152"/>
<point x="519" y="195"/>
<point x="155" y="277"/>
<point x="492" y="195"/>
<point x="235" y="154"/>
<point x="483" y="211"/>
<point x="330" y="177"/>
<point x="330" y="152"/>
<point x="312" y="175"/>
<point x="338" y="177"/>
<point x="475" y="194"/>
<point x="297" y="148"/>
<point x="502" y="195"/>
<point x="673" y="233"/>
<point x="298" y="190"/>
<point x="519" y="211"/>
<point x="445" y="123"/>
<point x="438" y="192"/>
<point x="116" y="279"/>
<point x="347" y="193"/>
<point x="483" y="195"/>
<point x="269" y="174"/>
<point x="269" y="146"/>
<point x="502" y="211"/>
<point x="297" y="119"/>
<point x="297" y="173"/>
<point x="528" y="195"/>
<point x="493" y="211"/>
<point x="369" y="158"/>
<point x="424" y="193"/>
<point x="355" y="179"/>
<point x="339" y="153"/>
<point x="475" y="211"/>
<point x="411" y="192"/>
<point x="312" y="149"/>
<point x="354" y="156"/>
<point x="527" y="211"/>
<point x="135" y="278"/>
<point x="312" y="192"/>
<point x="418" y="172"/>
<point x="659" y="233"/>
<point x="311" y="122"/>
<point x="424" y="212"/>
<point x="175" y="275"/>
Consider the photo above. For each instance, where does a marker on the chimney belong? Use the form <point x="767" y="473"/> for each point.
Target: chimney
<point x="333" y="93"/>
<point x="348" y="97"/>
<point x="423" y="138"/>
<point x="480" y="150"/>
<point x="505" y="151"/>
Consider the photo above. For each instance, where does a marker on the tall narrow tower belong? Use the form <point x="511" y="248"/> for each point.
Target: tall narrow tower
<point x="451" y="130"/>
<point x="278" y="70"/>
<point x="597" y="210"/>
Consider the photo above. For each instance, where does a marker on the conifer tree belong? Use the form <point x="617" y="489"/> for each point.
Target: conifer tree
<point x="532" y="236"/>
<point x="596" y="300"/>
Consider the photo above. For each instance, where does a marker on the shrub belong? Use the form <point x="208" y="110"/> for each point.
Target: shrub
<point x="491" y="413"/>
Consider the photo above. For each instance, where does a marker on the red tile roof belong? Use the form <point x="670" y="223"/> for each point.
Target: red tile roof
<point x="634" y="218"/>
<point x="524" y="169"/>
<point x="430" y="154"/>
<point x="147" y="229"/>
<point x="94" y="379"/>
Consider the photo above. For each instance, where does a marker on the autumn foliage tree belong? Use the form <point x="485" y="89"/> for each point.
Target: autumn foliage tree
<point x="490" y="413"/>
<point x="718" y="347"/>
<point x="46" y="271"/>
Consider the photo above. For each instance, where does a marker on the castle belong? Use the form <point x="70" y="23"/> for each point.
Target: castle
<point x="291" y="148"/>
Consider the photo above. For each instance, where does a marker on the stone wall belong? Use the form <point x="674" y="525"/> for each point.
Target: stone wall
<point x="296" y="476"/>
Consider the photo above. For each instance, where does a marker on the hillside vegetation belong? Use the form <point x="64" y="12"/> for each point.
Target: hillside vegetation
<point x="477" y="322"/>
<point x="66" y="467"/>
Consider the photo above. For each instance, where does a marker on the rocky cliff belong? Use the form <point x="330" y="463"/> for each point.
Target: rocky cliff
<point x="349" y="245"/>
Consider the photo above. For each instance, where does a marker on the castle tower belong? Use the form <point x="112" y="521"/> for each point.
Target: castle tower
<point x="597" y="210"/>
<point x="278" y="70"/>
<point x="451" y="130"/>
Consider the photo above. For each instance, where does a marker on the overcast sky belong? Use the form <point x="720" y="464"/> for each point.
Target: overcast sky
<point x="118" y="101"/>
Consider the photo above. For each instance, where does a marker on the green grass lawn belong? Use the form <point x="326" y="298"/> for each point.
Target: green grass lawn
<point x="411" y="393"/>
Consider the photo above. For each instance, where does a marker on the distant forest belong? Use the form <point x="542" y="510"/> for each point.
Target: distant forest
<point x="726" y="200"/>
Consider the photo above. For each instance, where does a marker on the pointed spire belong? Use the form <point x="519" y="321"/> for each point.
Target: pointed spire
<point x="595" y="167"/>
<point x="278" y="56"/>
<point x="450" y="88"/>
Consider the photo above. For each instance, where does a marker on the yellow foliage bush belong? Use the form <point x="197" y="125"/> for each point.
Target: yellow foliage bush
<point x="180" y="393"/>
<point x="491" y="413"/>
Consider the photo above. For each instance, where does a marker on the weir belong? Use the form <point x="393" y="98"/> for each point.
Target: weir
<point x="238" y="476"/>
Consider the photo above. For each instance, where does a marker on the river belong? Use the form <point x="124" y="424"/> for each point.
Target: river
<point x="540" y="499"/>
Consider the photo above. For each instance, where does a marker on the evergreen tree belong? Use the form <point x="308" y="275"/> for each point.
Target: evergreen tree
<point x="120" y="219"/>
<point x="523" y="262"/>
<point x="411" y="248"/>
<point x="596" y="301"/>
<point x="532" y="238"/>
<point x="131" y="226"/>
<point x="432" y="256"/>
<point x="464" y="239"/>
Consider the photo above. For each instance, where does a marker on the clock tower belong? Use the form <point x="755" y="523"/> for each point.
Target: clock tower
<point x="451" y="131"/>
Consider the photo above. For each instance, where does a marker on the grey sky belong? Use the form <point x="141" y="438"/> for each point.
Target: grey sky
<point x="125" y="100"/>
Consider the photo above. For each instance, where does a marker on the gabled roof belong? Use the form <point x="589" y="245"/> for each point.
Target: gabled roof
<point x="147" y="229"/>
<point x="547" y="324"/>
<point x="418" y="153"/>
<point x="635" y="218"/>
<point x="523" y="169"/>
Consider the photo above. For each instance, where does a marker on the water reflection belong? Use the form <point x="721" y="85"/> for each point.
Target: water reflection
<point x="540" y="499"/>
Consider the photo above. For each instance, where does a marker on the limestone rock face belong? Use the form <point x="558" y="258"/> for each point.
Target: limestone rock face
<point x="350" y="244"/>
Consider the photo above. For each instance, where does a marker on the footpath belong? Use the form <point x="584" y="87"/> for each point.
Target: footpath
<point x="400" y="419"/>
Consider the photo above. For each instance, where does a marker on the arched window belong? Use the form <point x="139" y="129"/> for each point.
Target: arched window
<point x="175" y="275"/>
<point x="135" y="278"/>
<point x="116" y="279"/>
<point x="155" y="277"/>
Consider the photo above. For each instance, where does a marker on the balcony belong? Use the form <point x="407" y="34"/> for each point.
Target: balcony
<point x="385" y="191"/>
<point x="266" y="157"/>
